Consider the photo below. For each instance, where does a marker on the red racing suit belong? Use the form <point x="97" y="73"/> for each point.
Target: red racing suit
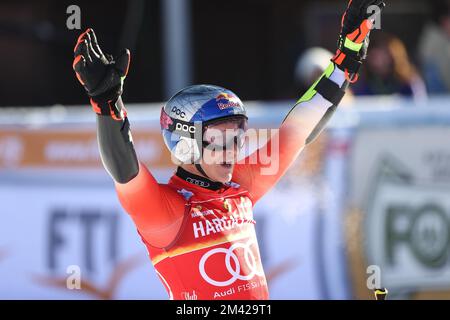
<point x="202" y="242"/>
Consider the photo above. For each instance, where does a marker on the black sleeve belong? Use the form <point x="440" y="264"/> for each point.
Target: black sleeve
<point x="334" y="94"/>
<point x="116" y="147"/>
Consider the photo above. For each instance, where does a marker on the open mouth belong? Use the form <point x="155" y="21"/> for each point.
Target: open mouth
<point x="226" y="165"/>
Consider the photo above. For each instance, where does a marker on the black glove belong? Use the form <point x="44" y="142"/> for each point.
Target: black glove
<point x="101" y="75"/>
<point x="354" y="36"/>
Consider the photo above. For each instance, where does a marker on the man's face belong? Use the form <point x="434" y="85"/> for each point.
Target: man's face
<point x="221" y="150"/>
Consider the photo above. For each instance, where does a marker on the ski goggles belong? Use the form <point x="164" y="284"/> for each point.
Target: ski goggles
<point x="219" y="138"/>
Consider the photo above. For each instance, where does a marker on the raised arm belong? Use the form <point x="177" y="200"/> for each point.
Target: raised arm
<point x="102" y="77"/>
<point x="261" y="170"/>
<point x="141" y="196"/>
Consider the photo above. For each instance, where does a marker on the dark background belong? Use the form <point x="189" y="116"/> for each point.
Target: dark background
<point x="249" y="46"/>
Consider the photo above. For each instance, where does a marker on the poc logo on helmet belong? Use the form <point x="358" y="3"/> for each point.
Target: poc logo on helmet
<point x="178" y="112"/>
<point x="184" y="127"/>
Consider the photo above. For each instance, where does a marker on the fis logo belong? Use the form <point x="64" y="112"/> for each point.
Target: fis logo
<point x="226" y="100"/>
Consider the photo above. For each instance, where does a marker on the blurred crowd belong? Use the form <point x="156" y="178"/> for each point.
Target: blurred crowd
<point x="255" y="55"/>
<point x="389" y="68"/>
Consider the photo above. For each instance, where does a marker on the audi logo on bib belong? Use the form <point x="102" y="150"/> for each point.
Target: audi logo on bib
<point x="252" y="263"/>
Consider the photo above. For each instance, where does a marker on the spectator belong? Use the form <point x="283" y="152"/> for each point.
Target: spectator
<point x="389" y="70"/>
<point x="310" y="65"/>
<point x="434" y="49"/>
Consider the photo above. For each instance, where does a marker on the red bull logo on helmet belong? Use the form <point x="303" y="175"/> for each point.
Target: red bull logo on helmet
<point x="226" y="100"/>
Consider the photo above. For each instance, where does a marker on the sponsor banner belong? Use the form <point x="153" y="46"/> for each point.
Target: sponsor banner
<point x="45" y="148"/>
<point x="57" y="236"/>
<point x="408" y="235"/>
<point x="329" y="232"/>
<point x="399" y="210"/>
<point x="415" y="152"/>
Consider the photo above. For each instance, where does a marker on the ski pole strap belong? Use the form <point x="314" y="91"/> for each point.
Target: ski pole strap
<point x="330" y="90"/>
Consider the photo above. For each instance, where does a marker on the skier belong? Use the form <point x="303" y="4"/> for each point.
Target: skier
<point x="199" y="227"/>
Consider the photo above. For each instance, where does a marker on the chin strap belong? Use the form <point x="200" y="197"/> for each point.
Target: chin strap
<point x="198" y="180"/>
<point x="200" y="169"/>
